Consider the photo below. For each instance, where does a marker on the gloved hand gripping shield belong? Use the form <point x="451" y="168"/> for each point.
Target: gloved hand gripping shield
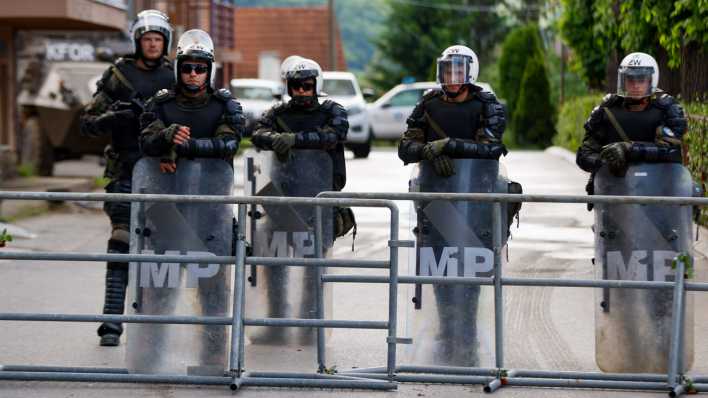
<point x="454" y="324"/>
<point x="287" y="231"/>
<point x="639" y="242"/>
<point x="180" y="289"/>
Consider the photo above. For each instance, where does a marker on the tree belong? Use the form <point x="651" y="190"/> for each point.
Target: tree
<point x="415" y="34"/>
<point x="519" y="46"/>
<point x="675" y="32"/>
<point x="534" y="116"/>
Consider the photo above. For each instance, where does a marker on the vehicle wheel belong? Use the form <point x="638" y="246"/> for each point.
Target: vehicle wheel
<point x="361" y="151"/>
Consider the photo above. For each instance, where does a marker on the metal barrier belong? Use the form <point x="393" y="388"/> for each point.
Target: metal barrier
<point x="236" y="376"/>
<point x="385" y="378"/>
<point x="675" y="382"/>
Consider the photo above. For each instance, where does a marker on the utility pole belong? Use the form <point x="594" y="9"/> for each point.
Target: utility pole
<point x="332" y="36"/>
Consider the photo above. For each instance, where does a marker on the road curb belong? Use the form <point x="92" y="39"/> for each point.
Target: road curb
<point x="561" y="153"/>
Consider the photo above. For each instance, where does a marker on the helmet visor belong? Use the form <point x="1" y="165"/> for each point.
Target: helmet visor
<point x="301" y="74"/>
<point x="453" y="70"/>
<point x="635" y="82"/>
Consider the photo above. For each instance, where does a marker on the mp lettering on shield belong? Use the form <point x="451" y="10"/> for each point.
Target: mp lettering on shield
<point x="168" y="275"/>
<point x="642" y="265"/>
<point x="456" y="261"/>
<point x="290" y="244"/>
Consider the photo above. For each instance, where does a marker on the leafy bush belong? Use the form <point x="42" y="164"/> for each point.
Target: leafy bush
<point x="571" y="118"/>
<point x="696" y="141"/>
<point x="534" y="115"/>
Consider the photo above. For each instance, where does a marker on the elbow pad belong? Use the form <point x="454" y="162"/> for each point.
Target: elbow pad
<point x="652" y="153"/>
<point x="461" y="149"/>
<point x="207" y="148"/>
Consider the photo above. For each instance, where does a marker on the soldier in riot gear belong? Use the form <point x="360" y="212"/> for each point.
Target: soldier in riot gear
<point x="455" y="133"/>
<point x="632" y="147"/>
<point x="114" y="111"/>
<point x="638" y="123"/>
<point x="193" y="120"/>
<point x="305" y="123"/>
<point x="458" y="121"/>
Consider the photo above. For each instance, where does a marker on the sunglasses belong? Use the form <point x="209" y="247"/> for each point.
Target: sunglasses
<point x="307" y="86"/>
<point x="197" y="68"/>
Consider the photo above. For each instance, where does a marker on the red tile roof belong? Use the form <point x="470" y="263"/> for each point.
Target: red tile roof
<point x="285" y="31"/>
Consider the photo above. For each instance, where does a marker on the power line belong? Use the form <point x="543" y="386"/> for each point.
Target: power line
<point x="457" y="7"/>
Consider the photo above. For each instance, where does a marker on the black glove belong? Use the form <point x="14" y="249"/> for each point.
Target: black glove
<point x="434" y="149"/>
<point x="108" y="120"/>
<point x="443" y="166"/>
<point x="615" y="157"/>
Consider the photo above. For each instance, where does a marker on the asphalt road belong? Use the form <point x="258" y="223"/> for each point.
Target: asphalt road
<point x="546" y="328"/>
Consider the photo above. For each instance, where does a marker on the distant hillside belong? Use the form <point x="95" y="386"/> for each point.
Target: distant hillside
<point x="360" y="22"/>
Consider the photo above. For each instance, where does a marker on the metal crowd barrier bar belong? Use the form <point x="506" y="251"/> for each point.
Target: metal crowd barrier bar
<point x="675" y="382"/>
<point x="237" y="376"/>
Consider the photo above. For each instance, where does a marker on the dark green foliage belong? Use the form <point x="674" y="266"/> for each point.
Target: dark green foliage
<point x="414" y="36"/>
<point x="571" y="118"/>
<point x="696" y="139"/>
<point x="590" y="47"/>
<point x="533" y="122"/>
<point x="519" y="46"/>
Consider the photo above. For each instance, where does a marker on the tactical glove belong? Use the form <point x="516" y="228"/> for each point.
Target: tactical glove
<point x="433" y="149"/>
<point x="108" y="120"/>
<point x="615" y="157"/>
<point x="443" y="166"/>
<point x="283" y="142"/>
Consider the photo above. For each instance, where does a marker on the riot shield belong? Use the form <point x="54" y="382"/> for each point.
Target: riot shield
<point x="639" y="242"/>
<point x="287" y="231"/>
<point x="454" y="324"/>
<point x="180" y="289"/>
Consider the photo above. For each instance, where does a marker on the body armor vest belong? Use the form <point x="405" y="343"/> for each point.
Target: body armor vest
<point x="639" y="126"/>
<point x="455" y="119"/>
<point x="300" y="120"/>
<point x="202" y="120"/>
<point x="145" y="83"/>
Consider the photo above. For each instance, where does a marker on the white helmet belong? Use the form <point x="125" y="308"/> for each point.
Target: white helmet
<point x="285" y="66"/>
<point x="195" y="44"/>
<point x="459" y="64"/>
<point x="303" y="69"/>
<point x="637" y="66"/>
<point x="151" y="21"/>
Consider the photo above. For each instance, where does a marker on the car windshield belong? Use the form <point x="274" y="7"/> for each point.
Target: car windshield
<point x="253" y="93"/>
<point x="339" y="87"/>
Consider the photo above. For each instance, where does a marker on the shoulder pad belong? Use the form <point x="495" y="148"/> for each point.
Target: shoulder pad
<point x="223" y="95"/>
<point x="163" y="95"/>
<point x="432" y="93"/>
<point x="610" y="100"/>
<point x="123" y="60"/>
<point x="486" y="96"/>
<point x="664" y="100"/>
<point x="333" y="107"/>
<point x="233" y="107"/>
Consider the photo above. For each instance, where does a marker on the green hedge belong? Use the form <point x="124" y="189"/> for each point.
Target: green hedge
<point x="571" y="118"/>
<point x="696" y="141"/>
